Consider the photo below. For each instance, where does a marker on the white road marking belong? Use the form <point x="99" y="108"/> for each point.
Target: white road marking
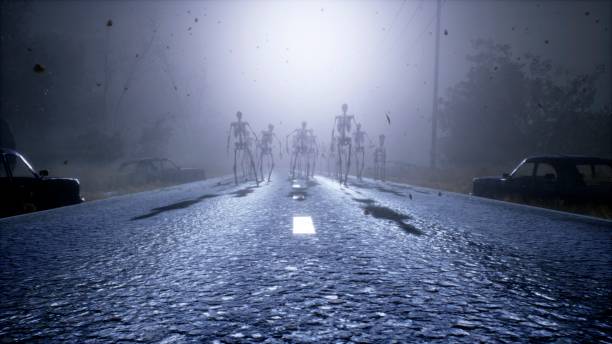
<point x="303" y="225"/>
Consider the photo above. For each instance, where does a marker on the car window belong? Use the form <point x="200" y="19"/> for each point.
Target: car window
<point x="602" y="173"/>
<point x="524" y="170"/>
<point x="545" y="169"/>
<point x="18" y="167"/>
<point x="586" y="173"/>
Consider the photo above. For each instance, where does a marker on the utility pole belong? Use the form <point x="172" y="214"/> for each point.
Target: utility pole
<point x="434" y="114"/>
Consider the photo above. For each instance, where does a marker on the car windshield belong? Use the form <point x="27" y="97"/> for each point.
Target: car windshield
<point x="19" y="167"/>
<point x="524" y="169"/>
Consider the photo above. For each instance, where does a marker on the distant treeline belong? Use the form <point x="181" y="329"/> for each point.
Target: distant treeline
<point x="510" y="107"/>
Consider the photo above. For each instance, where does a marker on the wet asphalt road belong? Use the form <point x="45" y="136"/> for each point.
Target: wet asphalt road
<point x="212" y="262"/>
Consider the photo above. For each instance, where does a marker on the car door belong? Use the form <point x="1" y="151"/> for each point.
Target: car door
<point x="24" y="183"/>
<point x="521" y="181"/>
<point x="7" y="204"/>
<point x="546" y="181"/>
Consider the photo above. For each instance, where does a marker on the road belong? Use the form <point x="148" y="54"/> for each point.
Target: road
<point x="214" y="262"/>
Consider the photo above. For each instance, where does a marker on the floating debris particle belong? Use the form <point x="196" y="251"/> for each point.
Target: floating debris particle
<point x="38" y="68"/>
<point x="109" y="23"/>
<point x="195" y="20"/>
<point x="388" y="118"/>
<point x="445" y="32"/>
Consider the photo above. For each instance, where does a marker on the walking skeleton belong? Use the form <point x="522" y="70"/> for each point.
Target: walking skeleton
<point x="299" y="153"/>
<point x="242" y="150"/>
<point x="332" y="170"/>
<point x="312" y="153"/>
<point x="380" y="158"/>
<point x="265" y="150"/>
<point x="343" y="124"/>
<point x="359" y="137"/>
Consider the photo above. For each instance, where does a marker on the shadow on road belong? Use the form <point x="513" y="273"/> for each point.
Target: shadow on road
<point x="392" y="215"/>
<point x="380" y="212"/>
<point x="243" y="192"/>
<point x="396" y="193"/>
<point x="174" y="206"/>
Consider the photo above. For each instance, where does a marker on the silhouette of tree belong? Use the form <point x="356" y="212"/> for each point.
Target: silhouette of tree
<point x="508" y="108"/>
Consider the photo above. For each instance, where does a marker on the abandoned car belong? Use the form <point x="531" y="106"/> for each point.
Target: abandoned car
<point x="23" y="190"/>
<point x="571" y="179"/>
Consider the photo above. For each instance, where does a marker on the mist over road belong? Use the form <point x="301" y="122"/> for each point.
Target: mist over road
<point x="382" y="261"/>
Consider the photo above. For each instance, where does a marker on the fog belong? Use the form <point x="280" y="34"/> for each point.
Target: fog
<point x="124" y="80"/>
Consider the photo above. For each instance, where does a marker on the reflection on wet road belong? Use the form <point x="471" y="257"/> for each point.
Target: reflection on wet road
<point x="303" y="262"/>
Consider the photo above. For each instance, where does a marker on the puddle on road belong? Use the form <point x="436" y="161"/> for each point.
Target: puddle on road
<point x="364" y="200"/>
<point x="385" y="213"/>
<point x="243" y="192"/>
<point x="174" y="206"/>
<point x="393" y="192"/>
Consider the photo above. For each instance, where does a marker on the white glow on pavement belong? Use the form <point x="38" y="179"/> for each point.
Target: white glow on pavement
<point x="303" y="225"/>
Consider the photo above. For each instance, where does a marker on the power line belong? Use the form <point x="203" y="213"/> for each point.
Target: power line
<point x="397" y="14"/>
<point x="412" y="16"/>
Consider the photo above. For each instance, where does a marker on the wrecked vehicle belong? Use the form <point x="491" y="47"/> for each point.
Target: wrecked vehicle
<point x="158" y="170"/>
<point x="23" y="190"/>
<point x="571" y="179"/>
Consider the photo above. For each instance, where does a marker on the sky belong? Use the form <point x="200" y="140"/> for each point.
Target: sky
<point x="284" y="62"/>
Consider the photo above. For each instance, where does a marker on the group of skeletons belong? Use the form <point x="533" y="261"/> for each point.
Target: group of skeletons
<point x="342" y="145"/>
<point x="252" y="154"/>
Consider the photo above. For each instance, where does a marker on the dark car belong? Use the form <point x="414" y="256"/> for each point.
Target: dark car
<point x="572" y="179"/>
<point x="158" y="170"/>
<point x="22" y="190"/>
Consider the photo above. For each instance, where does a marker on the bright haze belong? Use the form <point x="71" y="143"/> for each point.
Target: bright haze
<point x="124" y="80"/>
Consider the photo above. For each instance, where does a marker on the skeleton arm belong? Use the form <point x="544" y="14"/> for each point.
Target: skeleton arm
<point x="287" y="140"/>
<point x="372" y="145"/>
<point x="251" y="129"/>
<point x="334" y="130"/>
<point x="280" y="145"/>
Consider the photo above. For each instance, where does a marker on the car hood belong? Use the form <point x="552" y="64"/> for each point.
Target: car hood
<point x="487" y="179"/>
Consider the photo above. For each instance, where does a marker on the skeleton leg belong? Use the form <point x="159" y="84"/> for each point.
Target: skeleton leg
<point x="261" y="158"/>
<point x="271" y="160"/>
<point x="293" y="163"/>
<point x="348" y="164"/>
<point x="339" y="176"/>
<point x="252" y="165"/>
<point x="235" y="161"/>
<point x="362" y="164"/>
<point x="357" y="160"/>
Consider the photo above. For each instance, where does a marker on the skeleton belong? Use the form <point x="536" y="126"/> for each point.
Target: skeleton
<point x="380" y="158"/>
<point x="299" y="154"/>
<point x="332" y="160"/>
<point x="359" y="137"/>
<point x="312" y="153"/>
<point x="265" y="150"/>
<point x="343" y="124"/>
<point x="242" y="147"/>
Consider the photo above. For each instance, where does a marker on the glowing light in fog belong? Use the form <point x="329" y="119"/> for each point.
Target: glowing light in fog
<point x="303" y="225"/>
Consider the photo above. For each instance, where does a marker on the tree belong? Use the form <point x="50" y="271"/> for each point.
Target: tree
<point x="511" y="107"/>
